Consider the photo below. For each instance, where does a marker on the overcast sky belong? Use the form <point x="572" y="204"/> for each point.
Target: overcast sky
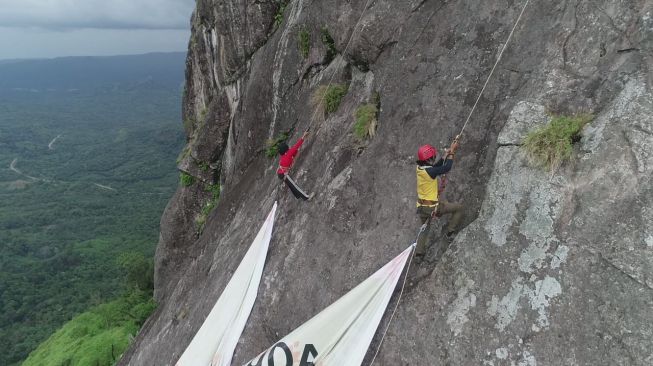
<point x="52" y="28"/>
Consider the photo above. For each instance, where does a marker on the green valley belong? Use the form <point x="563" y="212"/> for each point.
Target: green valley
<point x="87" y="164"/>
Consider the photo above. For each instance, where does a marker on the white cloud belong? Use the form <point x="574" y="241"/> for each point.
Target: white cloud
<point x="101" y="14"/>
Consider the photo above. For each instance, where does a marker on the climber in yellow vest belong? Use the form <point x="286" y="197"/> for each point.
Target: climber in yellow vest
<point x="429" y="167"/>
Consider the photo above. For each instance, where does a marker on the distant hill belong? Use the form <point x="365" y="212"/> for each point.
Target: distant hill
<point x="87" y="73"/>
<point x="84" y="177"/>
<point x="14" y="60"/>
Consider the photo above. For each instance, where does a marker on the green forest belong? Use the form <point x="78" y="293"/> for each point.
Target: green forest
<point x="84" y="177"/>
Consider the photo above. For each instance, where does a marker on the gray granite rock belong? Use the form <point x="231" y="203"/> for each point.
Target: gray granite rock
<point x="549" y="269"/>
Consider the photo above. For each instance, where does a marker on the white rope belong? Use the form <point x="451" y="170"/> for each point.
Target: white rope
<point x="401" y="293"/>
<point x="403" y="285"/>
<point x="317" y="108"/>
<point x="494" y="67"/>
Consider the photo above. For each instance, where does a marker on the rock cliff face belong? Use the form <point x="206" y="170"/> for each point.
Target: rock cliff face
<point x="551" y="269"/>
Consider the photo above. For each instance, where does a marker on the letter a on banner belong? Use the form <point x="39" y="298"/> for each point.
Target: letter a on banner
<point x="216" y="340"/>
<point x="341" y="333"/>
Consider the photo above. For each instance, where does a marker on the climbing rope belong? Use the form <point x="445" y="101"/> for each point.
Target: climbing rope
<point x="505" y="45"/>
<point x="335" y="69"/>
<point x="401" y="293"/>
<point x="317" y="107"/>
<point x="403" y="285"/>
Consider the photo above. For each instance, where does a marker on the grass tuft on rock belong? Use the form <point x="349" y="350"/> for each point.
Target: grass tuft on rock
<point x="272" y="146"/>
<point x="204" y="166"/>
<point x="304" y="42"/>
<point x="329" y="43"/>
<point x="327" y="99"/>
<point x="278" y="16"/>
<point x="366" y="121"/>
<point x="208" y="206"/>
<point x="551" y="145"/>
<point x="186" y="179"/>
<point x="189" y="123"/>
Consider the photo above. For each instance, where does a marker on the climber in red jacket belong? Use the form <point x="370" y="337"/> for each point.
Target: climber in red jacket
<point x="288" y="155"/>
<point x="285" y="163"/>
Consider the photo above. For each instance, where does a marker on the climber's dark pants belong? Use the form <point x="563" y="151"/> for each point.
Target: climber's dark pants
<point x="425" y="215"/>
<point x="296" y="191"/>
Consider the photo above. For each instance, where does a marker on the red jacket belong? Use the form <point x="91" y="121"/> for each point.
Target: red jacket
<point x="286" y="160"/>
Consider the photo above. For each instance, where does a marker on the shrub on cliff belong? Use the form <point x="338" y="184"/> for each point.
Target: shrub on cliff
<point x="329" y="44"/>
<point x="328" y="98"/>
<point x="551" y="145"/>
<point x="272" y="145"/>
<point x="304" y="42"/>
<point x="366" y="121"/>
<point x="186" y="179"/>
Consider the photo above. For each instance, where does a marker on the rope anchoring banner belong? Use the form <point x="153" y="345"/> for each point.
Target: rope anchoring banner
<point x="394" y="311"/>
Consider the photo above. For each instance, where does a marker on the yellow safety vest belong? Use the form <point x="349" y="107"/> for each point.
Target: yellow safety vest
<point x="427" y="187"/>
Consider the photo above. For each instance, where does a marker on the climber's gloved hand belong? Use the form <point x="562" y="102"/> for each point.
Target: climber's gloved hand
<point x="454" y="146"/>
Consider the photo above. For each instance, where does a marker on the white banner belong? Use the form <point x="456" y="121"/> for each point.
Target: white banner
<point x="341" y="334"/>
<point x="216" y="340"/>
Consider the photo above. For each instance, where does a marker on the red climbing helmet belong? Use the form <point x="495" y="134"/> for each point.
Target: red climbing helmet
<point x="425" y="152"/>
